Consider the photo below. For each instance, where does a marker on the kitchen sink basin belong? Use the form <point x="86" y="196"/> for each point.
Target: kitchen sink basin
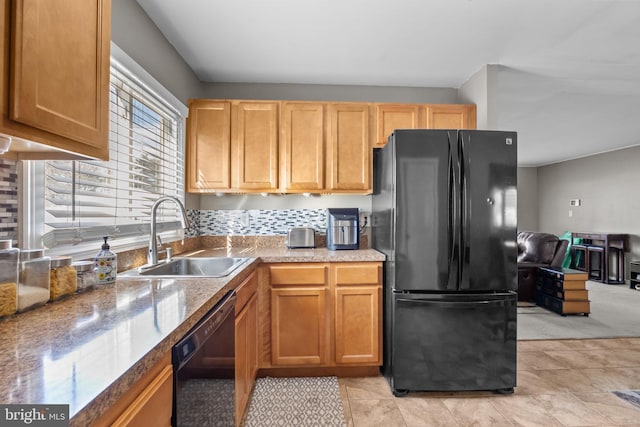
<point x="190" y="267"/>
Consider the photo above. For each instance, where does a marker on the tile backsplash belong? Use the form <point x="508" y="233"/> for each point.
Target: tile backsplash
<point x="257" y="222"/>
<point x="8" y="200"/>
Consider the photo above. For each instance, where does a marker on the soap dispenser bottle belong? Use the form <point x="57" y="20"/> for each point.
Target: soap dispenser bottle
<point x="105" y="264"/>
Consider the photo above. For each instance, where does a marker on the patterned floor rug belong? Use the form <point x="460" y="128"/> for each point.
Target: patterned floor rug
<point x="631" y="396"/>
<point x="304" y="401"/>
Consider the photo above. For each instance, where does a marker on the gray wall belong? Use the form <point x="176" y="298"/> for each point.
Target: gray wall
<point x="138" y="36"/>
<point x="607" y="186"/>
<point x="528" y="199"/>
<point x="330" y="93"/>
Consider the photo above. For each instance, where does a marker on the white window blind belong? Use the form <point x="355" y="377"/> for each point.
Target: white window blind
<point x="85" y="200"/>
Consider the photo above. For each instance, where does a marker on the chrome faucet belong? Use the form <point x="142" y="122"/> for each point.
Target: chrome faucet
<point x="152" y="255"/>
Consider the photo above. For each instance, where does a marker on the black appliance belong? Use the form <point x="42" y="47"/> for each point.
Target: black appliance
<point x="444" y="214"/>
<point x="342" y="228"/>
<point x="204" y="370"/>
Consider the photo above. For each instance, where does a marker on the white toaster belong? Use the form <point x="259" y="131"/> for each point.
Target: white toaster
<point x="301" y="237"/>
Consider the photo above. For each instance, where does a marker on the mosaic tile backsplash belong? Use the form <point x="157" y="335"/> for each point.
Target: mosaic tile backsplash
<point x="257" y="222"/>
<point x="8" y="200"/>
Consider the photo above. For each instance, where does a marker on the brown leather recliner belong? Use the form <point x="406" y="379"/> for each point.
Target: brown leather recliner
<point x="536" y="250"/>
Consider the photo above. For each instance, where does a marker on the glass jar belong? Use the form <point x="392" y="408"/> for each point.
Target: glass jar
<point x="86" y="277"/>
<point x="63" y="277"/>
<point x="9" y="259"/>
<point x="33" y="286"/>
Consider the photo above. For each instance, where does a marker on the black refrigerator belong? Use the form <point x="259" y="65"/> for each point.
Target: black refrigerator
<point x="444" y="214"/>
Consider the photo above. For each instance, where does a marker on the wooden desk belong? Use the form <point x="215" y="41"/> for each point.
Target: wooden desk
<point x="607" y="241"/>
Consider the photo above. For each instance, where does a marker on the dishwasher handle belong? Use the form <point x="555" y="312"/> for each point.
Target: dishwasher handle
<point x="207" y="326"/>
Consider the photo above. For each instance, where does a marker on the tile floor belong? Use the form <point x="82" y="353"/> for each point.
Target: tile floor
<point x="560" y="383"/>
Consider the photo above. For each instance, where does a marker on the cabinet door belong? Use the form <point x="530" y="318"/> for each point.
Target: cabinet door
<point x="255" y="146"/>
<point x="445" y="116"/>
<point x="357" y="327"/>
<point x="246" y="355"/>
<point x="209" y="146"/>
<point x="395" y="116"/>
<point x="252" y="341"/>
<point x="358" y="312"/>
<point x="153" y="406"/>
<point x="302" y="147"/>
<point x="299" y="326"/>
<point x="246" y="351"/>
<point x="60" y="69"/>
<point x="349" y="148"/>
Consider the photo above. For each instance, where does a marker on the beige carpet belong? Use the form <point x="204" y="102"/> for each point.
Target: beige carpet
<point x="615" y="312"/>
<point x="304" y="401"/>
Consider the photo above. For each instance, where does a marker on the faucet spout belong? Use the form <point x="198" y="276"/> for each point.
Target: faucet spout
<point x="152" y="255"/>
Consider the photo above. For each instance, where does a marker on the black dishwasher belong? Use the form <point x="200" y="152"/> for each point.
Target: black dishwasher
<point x="204" y="370"/>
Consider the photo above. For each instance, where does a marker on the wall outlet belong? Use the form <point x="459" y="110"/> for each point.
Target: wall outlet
<point x="574" y="202"/>
<point x="365" y="219"/>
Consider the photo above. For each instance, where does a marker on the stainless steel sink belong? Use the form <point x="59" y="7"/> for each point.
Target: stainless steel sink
<point x="190" y="267"/>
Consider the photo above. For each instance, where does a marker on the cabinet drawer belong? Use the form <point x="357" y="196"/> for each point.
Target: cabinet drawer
<point x="298" y="274"/>
<point x="245" y="291"/>
<point x="356" y="274"/>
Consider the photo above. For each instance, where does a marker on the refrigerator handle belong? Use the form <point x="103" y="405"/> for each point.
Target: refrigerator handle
<point x="465" y="209"/>
<point x="457" y="304"/>
<point x="454" y="214"/>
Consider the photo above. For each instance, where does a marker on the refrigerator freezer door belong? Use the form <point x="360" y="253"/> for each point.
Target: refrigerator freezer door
<point x="425" y="210"/>
<point x="489" y="210"/>
<point x="453" y="342"/>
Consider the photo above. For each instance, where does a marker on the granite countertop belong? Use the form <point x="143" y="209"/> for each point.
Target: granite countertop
<point x="88" y="349"/>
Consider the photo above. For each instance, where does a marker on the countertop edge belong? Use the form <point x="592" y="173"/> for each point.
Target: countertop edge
<point x="92" y="412"/>
<point x="97" y="407"/>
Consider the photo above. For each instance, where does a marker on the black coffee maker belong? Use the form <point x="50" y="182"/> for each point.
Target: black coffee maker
<point x="342" y="228"/>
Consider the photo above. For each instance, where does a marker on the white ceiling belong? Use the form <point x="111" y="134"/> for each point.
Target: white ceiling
<point x="569" y="81"/>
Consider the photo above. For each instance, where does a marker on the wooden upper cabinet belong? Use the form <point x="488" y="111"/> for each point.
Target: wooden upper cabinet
<point x="395" y="116"/>
<point x="55" y="76"/>
<point x="349" y="148"/>
<point x="299" y="146"/>
<point x="451" y="116"/>
<point x="254" y="155"/>
<point x="208" y="146"/>
<point x="302" y="146"/>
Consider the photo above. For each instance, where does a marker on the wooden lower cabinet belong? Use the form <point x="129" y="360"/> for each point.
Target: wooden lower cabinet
<point x="357" y="330"/>
<point x="299" y="314"/>
<point x="149" y="402"/>
<point x="299" y="326"/>
<point x="326" y="314"/>
<point x="358" y="312"/>
<point x="246" y="347"/>
<point x="153" y="406"/>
